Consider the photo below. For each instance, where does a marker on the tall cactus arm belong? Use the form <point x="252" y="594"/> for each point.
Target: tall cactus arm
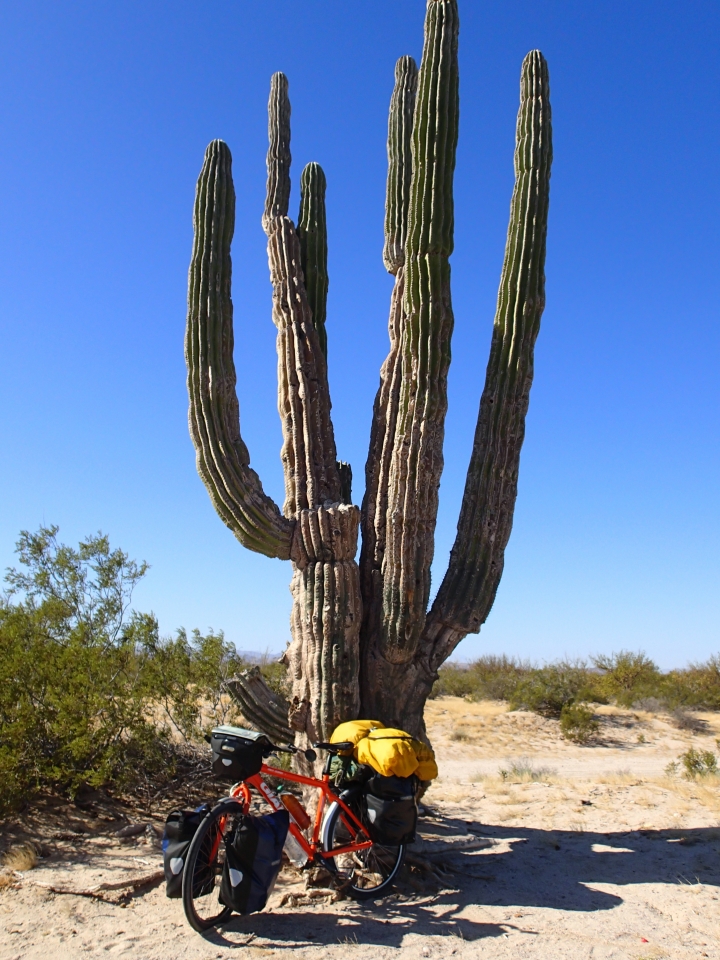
<point x="277" y="195"/>
<point x="223" y="461"/>
<point x="312" y="231"/>
<point x="382" y="433"/>
<point x="476" y="561"/>
<point x="400" y="126"/>
<point x="308" y="452"/>
<point x="417" y="459"/>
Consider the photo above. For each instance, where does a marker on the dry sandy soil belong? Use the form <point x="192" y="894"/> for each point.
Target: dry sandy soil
<point x="571" y="852"/>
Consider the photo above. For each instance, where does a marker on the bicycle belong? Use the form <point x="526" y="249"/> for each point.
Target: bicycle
<point x="339" y="840"/>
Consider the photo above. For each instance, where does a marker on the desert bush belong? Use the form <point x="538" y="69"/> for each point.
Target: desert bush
<point x="275" y="674"/>
<point x="89" y="693"/>
<point x="626" y="677"/>
<point x="698" y="685"/>
<point x="489" y="677"/>
<point x="578" y="723"/>
<point x="698" y="763"/>
<point x="546" y="690"/>
<point x="72" y="709"/>
<point x="182" y="680"/>
<point x="686" y="721"/>
<point x="454" y="680"/>
<point x="650" y="705"/>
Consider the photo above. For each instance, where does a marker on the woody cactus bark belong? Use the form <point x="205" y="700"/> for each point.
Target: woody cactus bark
<point x="363" y="639"/>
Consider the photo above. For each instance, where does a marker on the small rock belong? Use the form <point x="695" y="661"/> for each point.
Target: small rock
<point x="131" y="830"/>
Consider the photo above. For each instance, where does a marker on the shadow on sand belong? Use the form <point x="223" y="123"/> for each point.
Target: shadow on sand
<point x="556" y="869"/>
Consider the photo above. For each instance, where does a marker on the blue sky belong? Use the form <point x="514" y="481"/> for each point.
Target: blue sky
<point x="105" y="111"/>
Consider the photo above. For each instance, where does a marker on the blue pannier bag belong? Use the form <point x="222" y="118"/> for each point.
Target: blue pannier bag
<point x="180" y="827"/>
<point x="253" y="854"/>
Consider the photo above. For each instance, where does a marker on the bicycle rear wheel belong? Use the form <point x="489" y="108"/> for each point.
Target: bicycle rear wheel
<point x="204" y="865"/>
<point x="368" y="873"/>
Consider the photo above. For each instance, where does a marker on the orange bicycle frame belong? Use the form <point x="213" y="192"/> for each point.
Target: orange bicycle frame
<point x="311" y="847"/>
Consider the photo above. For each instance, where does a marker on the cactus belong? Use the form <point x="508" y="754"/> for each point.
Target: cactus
<point x="312" y="231"/>
<point x="363" y="640"/>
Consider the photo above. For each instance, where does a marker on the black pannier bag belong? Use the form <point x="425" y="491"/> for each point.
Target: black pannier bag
<point x="180" y="827"/>
<point x="390" y="809"/>
<point x="237" y="753"/>
<point x="253" y="854"/>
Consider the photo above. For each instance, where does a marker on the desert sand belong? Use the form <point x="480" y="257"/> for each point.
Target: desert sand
<point x="530" y="847"/>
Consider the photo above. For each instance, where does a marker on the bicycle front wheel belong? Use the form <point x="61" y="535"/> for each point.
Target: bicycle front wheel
<point x="368" y="873"/>
<point x="204" y="865"/>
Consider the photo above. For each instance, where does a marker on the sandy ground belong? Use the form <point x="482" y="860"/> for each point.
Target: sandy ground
<point x="569" y="852"/>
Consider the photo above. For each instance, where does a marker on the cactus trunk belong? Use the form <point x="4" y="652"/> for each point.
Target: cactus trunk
<point x="325" y="621"/>
<point x="363" y="640"/>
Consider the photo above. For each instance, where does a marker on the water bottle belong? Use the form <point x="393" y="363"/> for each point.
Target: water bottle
<point x="295" y="853"/>
<point x="296" y="810"/>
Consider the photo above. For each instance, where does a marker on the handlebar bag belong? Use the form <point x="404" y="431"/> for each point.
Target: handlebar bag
<point x="180" y="828"/>
<point x="237" y="753"/>
<point x="253" y="854"/>
<point x="390" y="809"/>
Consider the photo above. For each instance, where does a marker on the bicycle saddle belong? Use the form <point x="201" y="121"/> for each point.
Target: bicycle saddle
<point x="335" y="747"/>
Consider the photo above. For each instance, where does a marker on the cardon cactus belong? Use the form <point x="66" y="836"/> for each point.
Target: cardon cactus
<point x="363" y="639"/>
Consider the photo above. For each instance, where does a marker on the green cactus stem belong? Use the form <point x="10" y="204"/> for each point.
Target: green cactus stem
<point x="308" y="453"/>
<point x="277" y="198"/>
<point x="417" y="459"/>
<point x="476" y="561"/>
<point x="377" y="469"/>
<point x="223" y="461"/>
<point x="312" y="231"/>
<point x="400" y="126"/>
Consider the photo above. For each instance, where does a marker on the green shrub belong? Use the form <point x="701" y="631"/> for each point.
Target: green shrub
<point x="626" y="677"/>
<point x="578" y="723"/>
<point x="454" y="680"/>
<point x="71" y="704"/>
<point x="487" y="678"/>
<point x="696" y="686"/>
<point x="89" y="693"/>
<point x="698" y="763"/>
<point x="275" y="674"/>
<point x="546" y="690"/>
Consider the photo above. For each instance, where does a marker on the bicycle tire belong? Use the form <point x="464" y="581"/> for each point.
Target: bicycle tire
<point x="201" y="878"/>
<point x="369" y="873"/>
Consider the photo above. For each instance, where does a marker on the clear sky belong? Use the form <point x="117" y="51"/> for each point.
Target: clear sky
<point x="105" y="111"/>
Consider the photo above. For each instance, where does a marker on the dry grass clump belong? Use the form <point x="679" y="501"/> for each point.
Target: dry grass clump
<point x="522" y="771"/>
<point x="460" y="734"/>
<point x="619" y="778"/>
<point x="21" y="856"/>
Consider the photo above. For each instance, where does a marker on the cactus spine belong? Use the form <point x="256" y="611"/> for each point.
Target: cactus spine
<point x="362" y="639"/>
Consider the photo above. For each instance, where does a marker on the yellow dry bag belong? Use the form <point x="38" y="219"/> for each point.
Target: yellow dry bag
<point x="354" y="731"/>
<point x="389" y="751"/>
